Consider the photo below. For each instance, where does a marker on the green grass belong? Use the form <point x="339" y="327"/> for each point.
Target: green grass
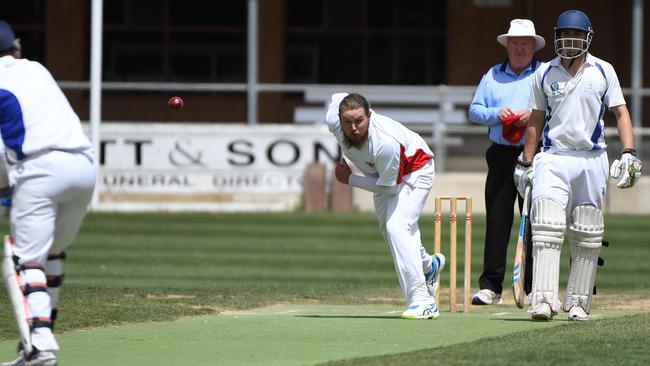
<point x="127" y="268"/>
<point x="215" y="262"/>
<point x="612" y="341"/>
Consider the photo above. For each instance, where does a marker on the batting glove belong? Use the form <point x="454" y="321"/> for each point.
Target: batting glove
<point x="5" y="201"/>
<point x="5" y="196"/>
<point x="627" y="170"/>
<point x="523" y="174"/>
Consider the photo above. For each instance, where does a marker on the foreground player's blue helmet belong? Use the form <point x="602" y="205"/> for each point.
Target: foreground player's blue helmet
<point x="8" y="40"/>
<point x="572" y="47"/>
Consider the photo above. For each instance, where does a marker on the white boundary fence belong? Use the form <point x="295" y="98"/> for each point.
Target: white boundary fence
<point x="231" y="168"/>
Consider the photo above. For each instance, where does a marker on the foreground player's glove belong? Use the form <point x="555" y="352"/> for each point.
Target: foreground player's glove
<point x="5" y="200"/>
<point x="627" y="170"/>
<point x="523" y="174"/>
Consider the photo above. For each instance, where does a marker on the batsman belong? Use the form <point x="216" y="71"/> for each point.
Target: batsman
<point x="569" y="174"/>
<point x="50" y="175"/>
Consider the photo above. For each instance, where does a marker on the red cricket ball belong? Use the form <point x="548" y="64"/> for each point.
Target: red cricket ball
<point x="175" y="103"/>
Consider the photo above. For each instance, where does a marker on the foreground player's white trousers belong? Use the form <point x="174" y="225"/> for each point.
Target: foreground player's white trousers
<point x="398" y="217"/>
<point x="51" y="196"/>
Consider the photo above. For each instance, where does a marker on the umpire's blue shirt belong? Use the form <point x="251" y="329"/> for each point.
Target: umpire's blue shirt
<point x="501" y="87"/>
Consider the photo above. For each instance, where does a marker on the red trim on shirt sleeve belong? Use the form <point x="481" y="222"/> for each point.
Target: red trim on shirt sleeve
<point x="409" y="164"/>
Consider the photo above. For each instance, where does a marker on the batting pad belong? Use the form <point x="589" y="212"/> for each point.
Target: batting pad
<point x="18" y="302"/>
<point x="586" y="237"/>
<point x="54" y="273"/>
<point x="548" y="222"/>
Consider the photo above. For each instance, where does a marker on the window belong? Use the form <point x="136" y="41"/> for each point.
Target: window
<point x="366" y="41"/>
<point x="133" y="13"/>
<point x="133" y="57"/>
<point x="175" y="40"/>
<point x="208" y="57"/>
<point x="27" y="19"/>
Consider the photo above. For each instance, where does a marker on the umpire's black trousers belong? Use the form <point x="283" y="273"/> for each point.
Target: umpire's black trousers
<point x="500" y="195"/>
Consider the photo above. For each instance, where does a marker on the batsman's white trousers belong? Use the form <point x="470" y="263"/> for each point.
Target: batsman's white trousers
<point x="51" y="196"/>
<point x="398" y="217"/>
<point x="571" y="178"/>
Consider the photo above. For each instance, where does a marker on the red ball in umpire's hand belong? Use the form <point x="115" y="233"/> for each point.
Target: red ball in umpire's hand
<point x="175" y="103"/>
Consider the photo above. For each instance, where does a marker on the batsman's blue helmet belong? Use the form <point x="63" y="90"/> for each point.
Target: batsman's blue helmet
<point x="574" y="19"/>
<point x="7" y="37"/>
<point x="570" y="48"/>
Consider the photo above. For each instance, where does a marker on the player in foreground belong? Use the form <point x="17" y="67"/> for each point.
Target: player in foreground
<point x="501" y="103"/>
<point x="398" y="168"/>
<point x="52" y="172"/>
<point x="569" y="174"/>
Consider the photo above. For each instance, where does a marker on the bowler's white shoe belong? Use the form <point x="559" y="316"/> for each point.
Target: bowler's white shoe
<point x="578" y="313"/>
<point x="424" y="311"/>
<point x="437" y="265"/>
<point x="486" y="297"/>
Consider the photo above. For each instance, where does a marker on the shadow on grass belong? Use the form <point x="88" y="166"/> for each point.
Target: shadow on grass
<point x="529" y="320"/>
<point x="395" y="317"/>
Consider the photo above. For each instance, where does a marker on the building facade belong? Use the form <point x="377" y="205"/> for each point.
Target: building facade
<point x="374" y="42"/>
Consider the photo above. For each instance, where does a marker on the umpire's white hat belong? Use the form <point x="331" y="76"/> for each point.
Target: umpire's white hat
<point x="522" y="28"/>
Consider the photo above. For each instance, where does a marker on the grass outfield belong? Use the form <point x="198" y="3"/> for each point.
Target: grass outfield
<point x="142" y="268"/>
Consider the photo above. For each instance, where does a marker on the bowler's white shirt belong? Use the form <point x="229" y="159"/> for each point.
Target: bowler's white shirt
<point x="35" y="115"/>
<point x="391" y="150"/>
<point x="574" y="106"/>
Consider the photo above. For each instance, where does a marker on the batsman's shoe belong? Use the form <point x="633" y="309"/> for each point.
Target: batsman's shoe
<point x="578" y="313"/>
<point x="486" y="297"/>
<point x="37" y="358"/>
<point x="437" y="265"/>
<point x="542" y="311"/>
<point x="424" y="311"/>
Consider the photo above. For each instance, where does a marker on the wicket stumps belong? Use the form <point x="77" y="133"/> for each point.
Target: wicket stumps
<point x="452" y="247"/>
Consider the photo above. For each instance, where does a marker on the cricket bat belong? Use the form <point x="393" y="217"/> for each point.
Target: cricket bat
<point x="18" y="301"/>
<point x="518" y="275"/>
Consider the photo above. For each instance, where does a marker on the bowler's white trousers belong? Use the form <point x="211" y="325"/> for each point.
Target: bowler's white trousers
<point x="398" y="217"/>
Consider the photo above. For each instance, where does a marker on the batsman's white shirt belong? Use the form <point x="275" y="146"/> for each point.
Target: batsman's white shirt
<point x="575" y="106"/>
<point x="51" y="159"/>
<point x="397" y="156"/>
<point x="572" y="166"/>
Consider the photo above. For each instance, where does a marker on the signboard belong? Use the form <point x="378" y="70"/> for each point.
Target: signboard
<point x="216" y="167"/>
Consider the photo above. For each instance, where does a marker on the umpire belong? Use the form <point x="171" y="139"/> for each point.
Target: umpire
<point x="501" y="104"/>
